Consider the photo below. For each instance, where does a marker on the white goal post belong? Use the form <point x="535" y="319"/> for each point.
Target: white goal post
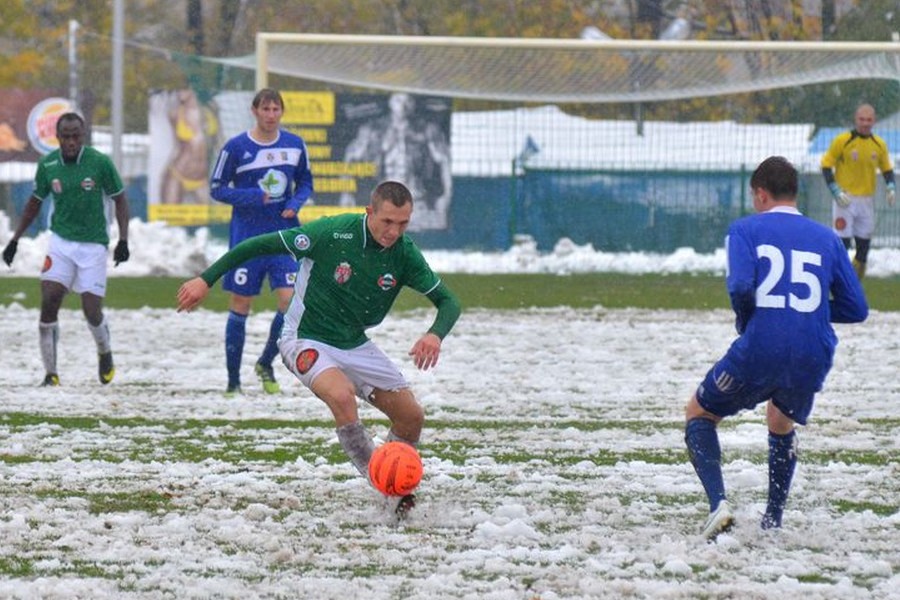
<point x="567" y="70"/>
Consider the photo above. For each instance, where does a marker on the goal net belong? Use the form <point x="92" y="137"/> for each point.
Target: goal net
<point x="533" y="167"/>
<point x="568" y="71"/>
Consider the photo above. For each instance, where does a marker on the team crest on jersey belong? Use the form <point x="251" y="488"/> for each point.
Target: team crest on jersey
<point x="306" y="359"/>
<point x="87" y="184"/>
<point x="301" y="242"/>
<point x="387" y="281"/>
<point x="343" y="272"/>
<point x="56" y="186"/>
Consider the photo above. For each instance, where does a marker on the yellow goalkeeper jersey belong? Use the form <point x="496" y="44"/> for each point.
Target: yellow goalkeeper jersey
<point x="855" y="159"/>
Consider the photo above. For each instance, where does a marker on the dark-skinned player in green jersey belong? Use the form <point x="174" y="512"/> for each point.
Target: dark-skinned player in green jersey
<point x="351" y="269"/>
<point x="79" y="179"/>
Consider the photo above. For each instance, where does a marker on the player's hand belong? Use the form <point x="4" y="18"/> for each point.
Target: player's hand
<point x="890" y="194"/>
<point x="191" y="294"/>
<point x="425" y="352"/>
<point x="9" y="253"/>
<point x="121" y="253"/>
<point x="289" y="213"/>
<point x="840" y="196"/>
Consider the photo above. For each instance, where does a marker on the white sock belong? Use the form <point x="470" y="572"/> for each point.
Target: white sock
<point x="393" y="437"/>
<point x="101" y="335"/>
<point x="357" y="444"/>
<point x="49" y="336"/>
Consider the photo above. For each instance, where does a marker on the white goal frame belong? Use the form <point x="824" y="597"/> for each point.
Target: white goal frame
<point x="567" y="70"/>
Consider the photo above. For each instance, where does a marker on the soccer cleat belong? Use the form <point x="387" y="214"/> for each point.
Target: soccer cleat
<point x="267" y="377"/>
<point x="107" y="370"/>
<point x="233" y="391"/>
<point x="719" y="521"/>
<point x="860" y="268"/>
<point x="405" y="505"/>
<point x="50" y="380"/>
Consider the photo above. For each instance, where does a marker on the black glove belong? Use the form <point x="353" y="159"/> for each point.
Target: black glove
<point x="121" y="253"/>
<point x="9" y="253"/>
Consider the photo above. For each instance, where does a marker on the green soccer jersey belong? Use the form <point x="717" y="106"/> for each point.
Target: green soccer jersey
<point x="346" y="282"/>
<point x="79" y="190"/>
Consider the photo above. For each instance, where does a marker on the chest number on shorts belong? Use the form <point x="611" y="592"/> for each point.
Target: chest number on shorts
<point x="240" y="276"/>
<point x="799" y="275"/>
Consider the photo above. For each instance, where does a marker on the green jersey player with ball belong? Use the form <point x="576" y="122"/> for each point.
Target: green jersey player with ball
<point x="351" y="269"/>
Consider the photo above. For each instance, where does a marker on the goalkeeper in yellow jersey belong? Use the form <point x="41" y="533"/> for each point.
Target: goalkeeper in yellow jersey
<point x="849" y="167"/>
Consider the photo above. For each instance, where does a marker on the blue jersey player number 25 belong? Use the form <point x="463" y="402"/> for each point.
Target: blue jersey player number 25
<point x="789" y="278"/>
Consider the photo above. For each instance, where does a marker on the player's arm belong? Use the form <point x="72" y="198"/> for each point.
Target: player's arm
<point x="847" y="300"/>
<point x="890" y="188"/>
<point x="29" y="214"/>
<point x="427" y="349"/>
<point x="303" y="184"/>
<point x="828" y="164"/>
<point x="220" y="183"/>
<point x="194" y="291"/>
<point x="740" y="279"/>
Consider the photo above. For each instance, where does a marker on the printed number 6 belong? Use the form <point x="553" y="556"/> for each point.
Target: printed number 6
<point x="240" y="276"/>
<point x="799" y="276"/>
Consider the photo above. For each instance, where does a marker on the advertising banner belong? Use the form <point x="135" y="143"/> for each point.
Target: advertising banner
<point x="354" y="141"/>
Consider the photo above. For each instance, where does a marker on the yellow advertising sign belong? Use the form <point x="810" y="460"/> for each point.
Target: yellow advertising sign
<point x="308" y="108"/>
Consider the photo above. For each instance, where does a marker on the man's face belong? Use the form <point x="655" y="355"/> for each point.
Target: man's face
<point x="865" y="120"/>
<point x="70" y="135"/>
<point x="268" y="116"/>
<point x="388" y="222"/>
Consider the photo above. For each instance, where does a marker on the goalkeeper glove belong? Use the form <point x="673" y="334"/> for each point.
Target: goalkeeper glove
<point x="891" y="194"/>
<point x="121" y="253"/>
<point x="840" y="196"/>
<point x="9" y="253"/>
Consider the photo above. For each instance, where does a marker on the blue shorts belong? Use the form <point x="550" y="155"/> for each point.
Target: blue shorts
<point x="247" y="279"/>
<point x="724" y="392"/>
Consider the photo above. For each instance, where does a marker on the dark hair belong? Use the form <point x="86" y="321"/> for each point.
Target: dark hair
<point x="268" y="95"/>
<point x="67" y="117"/>
<point x="391" y="191"/>
<point x="777" y="176"/>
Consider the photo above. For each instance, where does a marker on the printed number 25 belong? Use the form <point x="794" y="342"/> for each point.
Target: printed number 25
<point x="799" y="276"/>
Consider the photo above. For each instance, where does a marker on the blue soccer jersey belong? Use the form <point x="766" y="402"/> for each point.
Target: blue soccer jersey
<point x="788" y="278"/>
<point x="246" y="171"/>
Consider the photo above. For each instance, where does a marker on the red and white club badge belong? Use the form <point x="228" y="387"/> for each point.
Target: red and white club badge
<point x="343" y="272"/>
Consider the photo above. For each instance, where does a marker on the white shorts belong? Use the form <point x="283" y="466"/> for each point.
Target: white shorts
<point x="855" y="220"/>
<point x="367" y="367"/>
<point x="80" y="266"/>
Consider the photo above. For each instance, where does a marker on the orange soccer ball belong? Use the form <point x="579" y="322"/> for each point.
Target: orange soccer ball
<point x="395" y="468"/>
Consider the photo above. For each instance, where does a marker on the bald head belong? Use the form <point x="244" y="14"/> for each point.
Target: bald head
<point x="864" y="119"/>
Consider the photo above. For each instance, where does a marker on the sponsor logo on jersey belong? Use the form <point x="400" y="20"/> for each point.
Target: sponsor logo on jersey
<point x="87" y="184"/>
<point x="343" y="272"/>
<point x="306" y="359"/>
<point x="56" y="186"/>
<point x="301" y="242"/>
<point x="274" y="183"/>
<point x="387" y="282"/>
<point x="342" y="235"/>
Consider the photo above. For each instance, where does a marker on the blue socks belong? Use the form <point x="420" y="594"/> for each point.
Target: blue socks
<point x="235" y="334"/>
<point x="782" y="461"/>
<point x="706" y="456"/>
<point x="271" y="350"/>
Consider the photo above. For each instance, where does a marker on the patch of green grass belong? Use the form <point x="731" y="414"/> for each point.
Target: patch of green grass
<point x="882" y="510"/>
<point x="495" y="291"/>
<point x="14" y="566"/>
